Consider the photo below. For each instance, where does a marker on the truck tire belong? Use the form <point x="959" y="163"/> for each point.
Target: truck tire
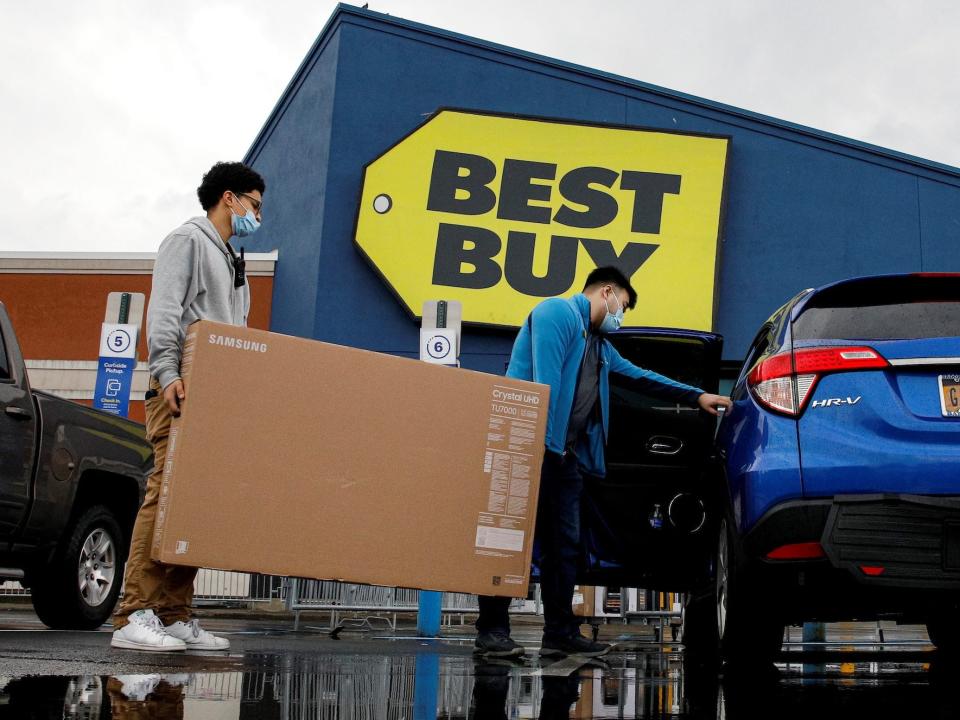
<point x="47" y="696"/>
<point x="80" y="587"/>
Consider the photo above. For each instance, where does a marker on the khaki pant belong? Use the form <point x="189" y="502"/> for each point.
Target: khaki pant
<point x="166" y="589"/>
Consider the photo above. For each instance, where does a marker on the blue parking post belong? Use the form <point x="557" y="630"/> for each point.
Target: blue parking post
<point x="440" y="345"/>
<point x="426" y="684"/>
<point x="428" y="613"/>
<point x="814" y="632"/>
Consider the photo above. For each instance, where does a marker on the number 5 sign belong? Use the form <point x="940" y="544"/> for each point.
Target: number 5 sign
<point x="118" y="340"/>
<point x="118" y="358"/>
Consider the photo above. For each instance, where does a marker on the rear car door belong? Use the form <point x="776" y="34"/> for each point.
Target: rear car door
<point x="17" y="431"/>
<point x="643" y="524"/>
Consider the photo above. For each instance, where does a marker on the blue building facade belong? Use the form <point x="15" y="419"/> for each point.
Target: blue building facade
<point x="803" y="207"/>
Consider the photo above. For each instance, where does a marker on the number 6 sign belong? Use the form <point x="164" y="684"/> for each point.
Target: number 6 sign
<point x="437" y="346"/>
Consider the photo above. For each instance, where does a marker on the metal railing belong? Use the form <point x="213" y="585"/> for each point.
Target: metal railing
<point x="214" y="686"/>
<point x="222" y="588"/>
<point x="358" y="606"/>
<point x="11" y="588"/>
<point x="381" y="603"/>
<point x="385" y="688"/>
<point x="212" y="587"/>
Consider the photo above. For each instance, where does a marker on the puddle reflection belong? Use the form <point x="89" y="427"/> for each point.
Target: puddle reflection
<point x="430" y="685"/>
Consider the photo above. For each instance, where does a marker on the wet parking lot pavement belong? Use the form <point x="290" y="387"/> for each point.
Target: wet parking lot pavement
<point x="272" y="672"/>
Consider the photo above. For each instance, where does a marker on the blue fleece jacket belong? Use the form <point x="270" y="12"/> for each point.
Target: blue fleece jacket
<point x="549" y="349"/>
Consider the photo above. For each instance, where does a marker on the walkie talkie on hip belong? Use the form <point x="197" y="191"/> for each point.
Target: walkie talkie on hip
<point x="239" y="268"/>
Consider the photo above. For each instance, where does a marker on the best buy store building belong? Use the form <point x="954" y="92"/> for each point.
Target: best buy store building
<point x="406" y="163"/>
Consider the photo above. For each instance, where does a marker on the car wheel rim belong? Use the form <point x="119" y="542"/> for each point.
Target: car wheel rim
<point x="721" y="704"/>
<point x="84" y="697"/>
<point x="97" y="571"/>
<point x="723" y="579"/>
<point x="683" y="621"/>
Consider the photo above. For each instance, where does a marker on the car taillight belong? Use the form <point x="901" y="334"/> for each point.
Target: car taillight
<point x="797" y="551"/>
<point x="784" y="382"/>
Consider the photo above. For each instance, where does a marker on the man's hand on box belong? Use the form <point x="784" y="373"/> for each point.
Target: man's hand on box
<point x="173" y="395"/>
<point x="710" y="402"/>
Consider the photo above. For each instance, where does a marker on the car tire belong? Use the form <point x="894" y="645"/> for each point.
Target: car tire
<point x="746" y="629"/>
<point x="699" y="628"/>
<point x="79" y="588"/>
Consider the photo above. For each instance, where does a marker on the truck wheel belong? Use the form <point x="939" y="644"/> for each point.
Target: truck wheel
<point x="79" y="589"/>
<point x="747" y="632"/>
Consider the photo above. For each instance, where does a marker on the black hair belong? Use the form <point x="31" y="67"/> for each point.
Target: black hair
<point x="223" y="176"/>
<point x="610" y="275"/>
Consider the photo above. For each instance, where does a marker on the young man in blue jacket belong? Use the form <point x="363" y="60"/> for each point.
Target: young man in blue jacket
<point x="562" y="345"/>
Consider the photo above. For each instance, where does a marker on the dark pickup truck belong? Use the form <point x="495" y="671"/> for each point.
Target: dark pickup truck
<point x="71" y="481"/>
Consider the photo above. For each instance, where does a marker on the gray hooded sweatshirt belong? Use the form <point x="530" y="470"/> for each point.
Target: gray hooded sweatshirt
<point x="192" y="280"/>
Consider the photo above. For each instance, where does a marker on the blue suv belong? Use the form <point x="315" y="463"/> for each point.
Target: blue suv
<point x="840" y="465"/>
<point x="832" y="490"/>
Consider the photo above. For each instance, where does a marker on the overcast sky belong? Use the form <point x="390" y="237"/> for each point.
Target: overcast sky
<point x="112" y="110"/>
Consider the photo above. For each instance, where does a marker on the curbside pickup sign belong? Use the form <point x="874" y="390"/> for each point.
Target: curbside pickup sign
<point x="118" y="358"/>
<point x="500" y="212"/>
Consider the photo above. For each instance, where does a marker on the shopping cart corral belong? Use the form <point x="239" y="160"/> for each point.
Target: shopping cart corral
<point x="369" y="607"/>
<point x="598" y="605"/>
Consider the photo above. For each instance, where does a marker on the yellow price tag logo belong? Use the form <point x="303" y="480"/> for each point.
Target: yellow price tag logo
<point x="500" y="212"/>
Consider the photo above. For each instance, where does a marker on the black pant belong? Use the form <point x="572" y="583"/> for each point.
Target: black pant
<point x="491" y="685"/>
<point x="558" y="533"/>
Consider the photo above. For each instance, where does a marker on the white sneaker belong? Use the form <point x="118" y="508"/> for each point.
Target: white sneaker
<point x="144" y="631"/>
<point x="195" y="637"/>
<point x="137" y="687"/>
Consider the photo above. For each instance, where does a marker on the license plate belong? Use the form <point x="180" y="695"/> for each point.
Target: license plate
<point x="950" y="395"/>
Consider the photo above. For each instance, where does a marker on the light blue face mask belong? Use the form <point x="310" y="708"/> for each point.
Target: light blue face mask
<point x="612" y="321"/>
<point x="243" y="225"/>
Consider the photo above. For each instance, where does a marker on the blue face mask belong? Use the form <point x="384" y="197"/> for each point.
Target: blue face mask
<point x="612" y="321"/>
<point x="243" y="225"/>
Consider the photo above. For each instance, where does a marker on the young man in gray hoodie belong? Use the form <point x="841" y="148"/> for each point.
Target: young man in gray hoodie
<point x="197" y="276"/>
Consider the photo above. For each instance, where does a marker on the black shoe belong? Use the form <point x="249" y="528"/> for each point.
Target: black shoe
<point x="573" y="645"/>
<point x="497" y="644"/>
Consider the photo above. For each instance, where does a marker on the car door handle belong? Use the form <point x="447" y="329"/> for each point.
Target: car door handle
<point x="663" y="445"/>
<point x="17" y="413"/>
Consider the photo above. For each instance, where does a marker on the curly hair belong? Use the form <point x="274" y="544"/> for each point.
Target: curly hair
<point x="223" y="176"/>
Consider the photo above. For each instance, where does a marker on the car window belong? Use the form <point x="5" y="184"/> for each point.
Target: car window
<point x="757" y="350"/>
<point x="885" y="308"/>
<point x="681" y="359"/>
<point x="4" y="363"/>
<point x="890" y="321"/>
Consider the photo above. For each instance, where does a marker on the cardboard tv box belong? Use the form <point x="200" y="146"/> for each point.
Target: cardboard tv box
<point x="301" y="458"/>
